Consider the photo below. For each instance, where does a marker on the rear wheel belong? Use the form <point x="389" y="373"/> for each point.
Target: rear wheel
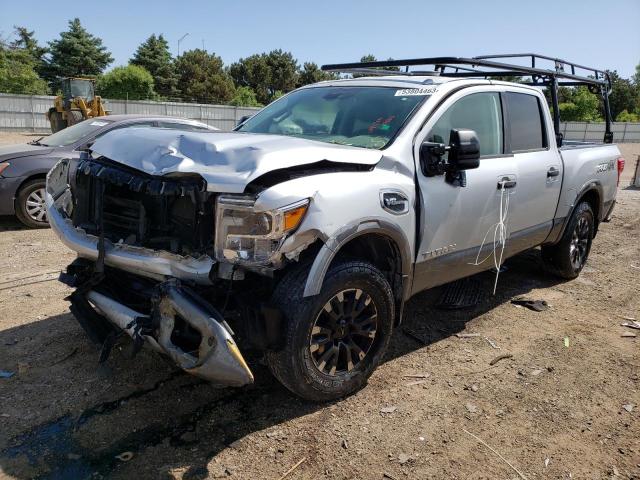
<point x="73" y="117"/>
<point x="30" y="204"/>
<point x="567" y="258"/>
<point x="334" y="340"/>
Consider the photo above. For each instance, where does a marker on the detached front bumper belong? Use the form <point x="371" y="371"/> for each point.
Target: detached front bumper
<point x="208" y="351"/>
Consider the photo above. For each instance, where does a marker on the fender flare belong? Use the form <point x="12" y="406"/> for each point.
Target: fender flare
<point x="332" y="246"/>
<point x="593" y="185"/>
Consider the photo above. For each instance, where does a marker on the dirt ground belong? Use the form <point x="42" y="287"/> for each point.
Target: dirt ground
<point x="564" y="404"/>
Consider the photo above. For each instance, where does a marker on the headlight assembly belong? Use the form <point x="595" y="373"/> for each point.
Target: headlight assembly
<point x="244" y="236"/>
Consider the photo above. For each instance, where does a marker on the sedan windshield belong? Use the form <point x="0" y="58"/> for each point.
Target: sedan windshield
<point x="74" y="133"/>
<point x="366" y="117"/>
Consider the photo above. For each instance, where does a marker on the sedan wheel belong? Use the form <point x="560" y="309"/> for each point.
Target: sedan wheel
<point x="36" y="207"/>
<point x="30" y="205"/>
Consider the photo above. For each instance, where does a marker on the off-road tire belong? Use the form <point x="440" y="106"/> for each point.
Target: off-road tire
<point x="293" y="365"/>
<point x="557" y="258"/>
<point x="21" y="208"/>
<point x="73" y="117"/>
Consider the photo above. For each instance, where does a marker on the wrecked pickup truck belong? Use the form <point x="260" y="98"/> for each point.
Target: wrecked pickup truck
<point x="302" y="234"/>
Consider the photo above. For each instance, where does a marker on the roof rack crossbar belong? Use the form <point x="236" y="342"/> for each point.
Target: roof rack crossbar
<point x="488" y="66"/>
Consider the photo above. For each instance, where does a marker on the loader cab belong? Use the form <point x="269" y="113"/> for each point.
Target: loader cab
<point x="77" y="87"/>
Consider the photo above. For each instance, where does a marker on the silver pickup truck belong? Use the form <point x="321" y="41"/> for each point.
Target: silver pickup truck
<point x="302" y="234"/>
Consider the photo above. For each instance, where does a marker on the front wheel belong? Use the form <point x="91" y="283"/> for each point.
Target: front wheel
<point x="30" y="206"/>
<point x="334" y="340"/>
<point x="567" y="258"/>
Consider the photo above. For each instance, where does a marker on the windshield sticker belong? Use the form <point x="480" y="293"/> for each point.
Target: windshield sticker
<point x="406" y="92"/>
<point x="96" y="123"/>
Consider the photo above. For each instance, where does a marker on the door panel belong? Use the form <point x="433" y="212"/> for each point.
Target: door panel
<point x="538" y="165"/>
<point x="456" y="220"/>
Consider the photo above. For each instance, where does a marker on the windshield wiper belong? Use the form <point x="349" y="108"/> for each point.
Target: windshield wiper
<point x="37" y="142"/>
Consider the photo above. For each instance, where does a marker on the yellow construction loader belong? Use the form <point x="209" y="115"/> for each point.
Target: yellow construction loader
<point x="76" y="103"/>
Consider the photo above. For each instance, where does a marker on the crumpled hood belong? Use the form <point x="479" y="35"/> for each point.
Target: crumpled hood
<point x="9" y="152"/>
<point x="227" y="161"/>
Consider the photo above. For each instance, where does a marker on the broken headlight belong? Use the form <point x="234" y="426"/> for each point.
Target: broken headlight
<point x="244" y="236"/>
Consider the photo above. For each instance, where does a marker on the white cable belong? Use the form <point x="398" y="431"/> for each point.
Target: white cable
<point x="499" y="235"/>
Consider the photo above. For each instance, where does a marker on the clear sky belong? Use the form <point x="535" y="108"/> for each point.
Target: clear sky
<point x="598" y="33"/>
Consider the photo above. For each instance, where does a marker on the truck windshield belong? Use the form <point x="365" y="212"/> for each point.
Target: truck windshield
<point x="366" y="117"/>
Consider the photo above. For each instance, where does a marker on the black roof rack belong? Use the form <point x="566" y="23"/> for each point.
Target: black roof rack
<point x="562" y="73"/>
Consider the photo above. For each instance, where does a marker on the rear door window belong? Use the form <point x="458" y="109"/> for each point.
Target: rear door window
<point x="526" y="127"/>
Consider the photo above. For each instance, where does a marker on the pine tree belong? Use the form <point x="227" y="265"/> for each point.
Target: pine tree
<point x="76" y="53"/>
<point x="25" y="40"/>
<point x="202" y="78"/>
<point x="154" y="56"/>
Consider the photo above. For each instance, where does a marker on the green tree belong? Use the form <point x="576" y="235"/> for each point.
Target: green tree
<point x="266" y="74"/>
<point x="371" y="58"/>
<point x="624" y="95"/>
<point x="245" y="97"/>
<point x="311" y="73"/>
<point x="625" y="116"/>
<point x="25" y="40"/>
<point x="17" y="73"/>
<point x="583" y="106"/>
<point x="202" y="78"/>
<point x="154" y="56"/>
<point x="130" y="82"/>
<point x="76" y="53"/>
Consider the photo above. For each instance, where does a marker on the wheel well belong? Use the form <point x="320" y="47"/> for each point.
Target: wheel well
<point x="383" y="253"/>
<point x="37" y="176"/>
<point x="592" y="197"/>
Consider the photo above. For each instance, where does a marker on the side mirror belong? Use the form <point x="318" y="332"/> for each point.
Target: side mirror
<point x="86" y="147"/>
<point x="464" y="149"/>
<point x="243" y="119"/>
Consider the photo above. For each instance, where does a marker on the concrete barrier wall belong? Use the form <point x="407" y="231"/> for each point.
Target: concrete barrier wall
<point x="26" y="113"/>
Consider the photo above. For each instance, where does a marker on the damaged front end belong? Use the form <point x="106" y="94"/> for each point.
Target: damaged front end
<point x="146" y="264"/>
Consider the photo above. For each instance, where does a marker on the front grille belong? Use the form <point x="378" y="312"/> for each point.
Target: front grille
<point x="134" y="208"/>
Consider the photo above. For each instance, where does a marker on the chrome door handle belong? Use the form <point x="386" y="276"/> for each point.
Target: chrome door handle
<point x="553" y="172"/>
<point x="506" y="184"/>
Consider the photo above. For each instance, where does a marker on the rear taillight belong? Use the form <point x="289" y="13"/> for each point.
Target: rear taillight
<point x="620" y="168"/>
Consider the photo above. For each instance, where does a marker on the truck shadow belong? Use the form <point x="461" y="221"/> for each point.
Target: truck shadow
<point x="143" y="407"/>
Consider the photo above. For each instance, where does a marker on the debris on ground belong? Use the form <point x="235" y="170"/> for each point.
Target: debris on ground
<point x="125" y="456"/>
<point x="631" y="324"/>
<point x="403" y="458"/>
<point x="500" y="357"/>
<point x="535" y="305"/>
<point x="471" y="408"/>
<point x="566" y="342"/>
<point x="492" y="343"/>
<point x="6" y="374"/>
<point x="388" y="409"/>
<point x="467" y="335"/>
<point x="494" y="451"/>
<point x="629" y="407"/>
<point x="293" y="468"/>
<point x="629" y="335"/>
<point x="415" y="382"/>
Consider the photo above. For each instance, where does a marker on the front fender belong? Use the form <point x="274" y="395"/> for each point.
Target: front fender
<point x="332" y="246"/>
